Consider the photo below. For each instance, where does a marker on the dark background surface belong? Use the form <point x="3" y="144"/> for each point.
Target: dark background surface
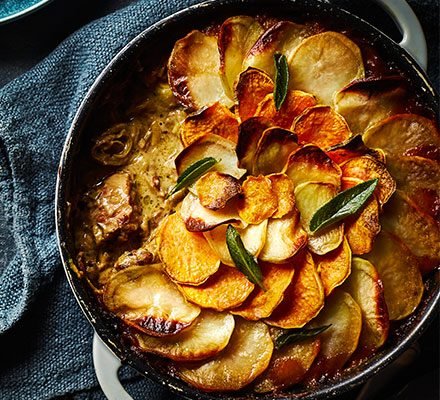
<point x="25" y="42"/>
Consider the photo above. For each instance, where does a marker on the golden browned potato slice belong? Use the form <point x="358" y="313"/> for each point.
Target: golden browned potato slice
<point x="221" y="149"/>
<point x="401" y="132"/>
<point x="258" y="201"/>
<point x="237" y="35"/>
<point x="364" y="103"/>
<point x="339" y="341"/>
<point x="303" y="299"/>
<point x="193" y="71"/>
<point x="261" y="303"/>
<point x="366" y="168"/>
<point x="283" y="189"/>
<point x="283" y="37"/>
<point x="253" y="237"/>
<point x="273" y="150"/>
<point x="206" y="337"/>
<point x="285" y="237"/>
<point x="295" y="103"/>
<point x="245" y="357"/>
<point x="399" y="273"/>
<point x="215" y="119"/>
<point x="226" y="289"/>
<point x="252" y="87"/>
<point x="321" y="126"/>
<point x="146" y="299"/>
<point x="324" y="63"/>
<point x="365" y="286"/>
<point x="215" y="189"/>
<point x="309" y="198"/>
<point x="187" y="256"/>
<point x="311" y="164"/>
<point x="334" y="267"/>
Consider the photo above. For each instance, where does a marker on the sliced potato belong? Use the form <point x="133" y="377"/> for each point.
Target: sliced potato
<point x="193" y="71"/>
<point x="215" y="189"/>
<point x="221" y="149"/>
<point x="325" y="63"/>
<point x="258" y="201"/>
<point x="226" y="289"/>
<point x="321" y="126"/>
<point x="253" y="237"/>
<point x="285" y="237"/>
<point x="187" y="256"/>
<point x="273" y="150"/>
<point x="399" y="273"/>
<point x="283" y="189"/>
<point x="261" y="303"/>
<point x="364" y="103"/>
<point x="304" y="297"/>
<point x="309" y="198"/>
<point x="365" y="286"/>
<point x="206" y="337"/>
<point x="146" y="299"/>
<point x="334" y="267"/>
<point x="237" y="35"/>
<point x="245" y="357"/>
<point x="252" y="87"/>
<point x="215" y="119"/>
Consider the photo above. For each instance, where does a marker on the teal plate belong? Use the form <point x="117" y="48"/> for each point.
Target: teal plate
<point x="13" y="9"/>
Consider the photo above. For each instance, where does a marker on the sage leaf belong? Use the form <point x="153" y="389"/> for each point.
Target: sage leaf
<point x="344" y="204"/>
<point x="281" y="79"/>
<point x="243" y="260"/>
<point x="297" y="335"/>
<point x="192" y="173"/>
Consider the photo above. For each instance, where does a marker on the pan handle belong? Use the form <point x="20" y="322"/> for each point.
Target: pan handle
<point x="413" y="40"/>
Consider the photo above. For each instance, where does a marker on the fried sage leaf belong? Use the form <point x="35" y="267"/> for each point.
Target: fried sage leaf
<point x="243" y="260"/>
<point x="297" y="335"/>
<point x="192" y="173"/>
<point x="281" y="79"/>
<point x="344" y="204"/>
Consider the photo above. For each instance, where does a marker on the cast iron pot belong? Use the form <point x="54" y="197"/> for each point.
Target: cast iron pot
<point x="159" y="39"/>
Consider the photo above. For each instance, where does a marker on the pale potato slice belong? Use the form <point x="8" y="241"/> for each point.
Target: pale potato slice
<point x="215" y="119"/>
<point x="341" y="339"/>
<point x="285" y="237"/>
<point x="206" y="337"/>
<point x="365" y="286"/>
<point x="193" y="71"/>
<point x="304" y="297"/>
<point x="258" y="201"/>
<point x="237" y="35"/>
<point x="253" y="237"/>
<point x="334" y="267"/>
<point x="366" y="168"/>
<point x="324" y="63"/>
<point x="364" y="103"/>
<point x="187" y="256"/>
<point x="215" y="189"/>
<point x="226" y="289"/>
<point x="283" y="189"/>
<point x="401" y="132"/>
<point x="399" y="273"/>
<point x="309" y="198"/>
<point x="245" y="357"/>
<point x="311" y="164"/>
<point x="210" y="145"/>
<point x="146" y="299"/>
<point x="252" y="87"/>
<point x="321" y="126"/>
<point x="273" y="150"/>
<point x="261" y="303"/>
<point x="200" y="219"/>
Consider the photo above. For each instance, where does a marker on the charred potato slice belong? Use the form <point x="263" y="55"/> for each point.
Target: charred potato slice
<point x="245" y="357"/>
<point x="206" y="337"/>
<point x="146" y="299"/>
<point x="283" y="189"/>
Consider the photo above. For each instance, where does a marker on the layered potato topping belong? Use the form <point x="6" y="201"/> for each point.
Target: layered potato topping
<point x="265" y="210"/>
